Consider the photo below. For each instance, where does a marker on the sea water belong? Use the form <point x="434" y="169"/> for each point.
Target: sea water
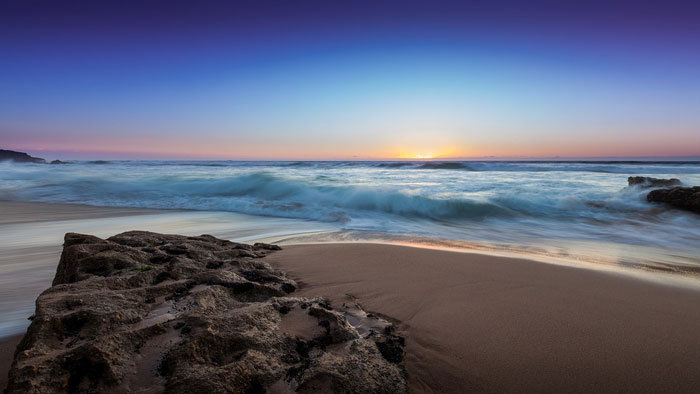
<point x="583" y="210"/>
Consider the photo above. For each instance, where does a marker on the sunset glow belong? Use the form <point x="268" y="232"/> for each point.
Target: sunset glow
<point x="323" y="81"/>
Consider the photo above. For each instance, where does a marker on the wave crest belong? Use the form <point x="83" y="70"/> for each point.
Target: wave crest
<point x="264" y="194"/>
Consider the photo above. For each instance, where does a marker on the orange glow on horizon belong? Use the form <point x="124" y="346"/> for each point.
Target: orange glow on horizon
<point x="433" y="148"/>
<point x="445" y="150"/>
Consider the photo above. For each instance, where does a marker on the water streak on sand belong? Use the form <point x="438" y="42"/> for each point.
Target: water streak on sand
<point x="31" y="236"/>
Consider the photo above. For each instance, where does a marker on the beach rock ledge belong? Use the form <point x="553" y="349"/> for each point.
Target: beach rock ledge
<point x="687" y="198"/>
<point x="146" y="312"/>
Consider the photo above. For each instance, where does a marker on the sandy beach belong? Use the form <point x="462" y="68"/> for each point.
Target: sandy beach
<point x="478" y="323"/>
<point x="7" y="350"/>
<point x="472" y="322"/>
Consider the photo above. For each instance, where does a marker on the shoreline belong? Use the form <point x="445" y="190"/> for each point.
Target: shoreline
<point x="473" y="320"/>
<point x="487" y="323"/>
<point x="689" y="279"/>
<point x="32" y="234"/>
<point x="676" y="273"/>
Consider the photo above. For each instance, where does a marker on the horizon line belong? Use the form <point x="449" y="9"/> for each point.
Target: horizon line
<point x="137" y="156"/>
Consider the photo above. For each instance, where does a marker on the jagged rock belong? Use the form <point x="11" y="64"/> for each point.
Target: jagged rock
<point x="260" y="245"/>
<point x="19" y="157"/>
<point x="648" y="182"/>
<point x="58" y="162"/>
<point x="687" y="198"/>
<point x="165" y="313"/>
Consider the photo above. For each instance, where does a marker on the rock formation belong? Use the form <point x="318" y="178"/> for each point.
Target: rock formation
<point x="687" y="198"/>
<point x="648" y="182"/>
<point x="19" y="157"/>
<point x="146" y="312"/>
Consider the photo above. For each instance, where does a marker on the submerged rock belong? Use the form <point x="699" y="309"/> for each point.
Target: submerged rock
<point x="164" y="313"/>
<point x="648" y="182"/>
<point x="687" y="198"/>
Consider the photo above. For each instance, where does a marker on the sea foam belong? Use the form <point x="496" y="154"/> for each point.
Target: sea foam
<point x="506" y="202"/>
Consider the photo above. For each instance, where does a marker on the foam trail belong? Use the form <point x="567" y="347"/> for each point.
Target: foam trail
<point x="507" y="202"/>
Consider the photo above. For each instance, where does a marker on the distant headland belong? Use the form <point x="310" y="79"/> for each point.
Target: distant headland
<point x="22" y="157"/>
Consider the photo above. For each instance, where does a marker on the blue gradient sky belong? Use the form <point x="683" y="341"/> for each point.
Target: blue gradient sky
<point x="318" y="80"/>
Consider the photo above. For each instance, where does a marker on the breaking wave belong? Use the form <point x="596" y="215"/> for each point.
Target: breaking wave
<point x="257" y="193"/>
<point x="493" y="201"/>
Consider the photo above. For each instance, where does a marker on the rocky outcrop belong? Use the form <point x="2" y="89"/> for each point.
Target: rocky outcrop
<point x="687" y="198"/>
<point x="149" y="312"/>
<point x="19" y="157"/>
<point x="669" y="192"/>
<point x="648" y="182"/>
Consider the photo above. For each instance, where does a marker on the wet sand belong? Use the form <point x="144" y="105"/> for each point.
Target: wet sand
<point x="492" y="324"/>
<point x="7" y="351"/>
<point x="30" y="212"/>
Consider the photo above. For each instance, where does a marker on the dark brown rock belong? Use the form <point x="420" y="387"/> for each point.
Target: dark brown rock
<point x="648" y="182"/>
<point x="687" y="198"/>
<point x="260" y="245"/>
<point x="166" y="313"/>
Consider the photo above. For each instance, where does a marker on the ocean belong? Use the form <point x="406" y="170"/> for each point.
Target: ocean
<point x="575" y="210"/>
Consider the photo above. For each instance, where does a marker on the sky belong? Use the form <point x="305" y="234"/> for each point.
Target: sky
<point x="299" y="79"/>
